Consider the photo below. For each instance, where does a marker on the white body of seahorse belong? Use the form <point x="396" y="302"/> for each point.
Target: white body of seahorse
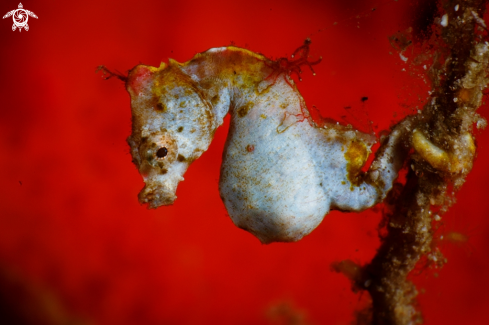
<point x="281" y="173"/>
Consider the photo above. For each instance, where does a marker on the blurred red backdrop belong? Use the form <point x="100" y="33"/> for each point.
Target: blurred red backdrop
<point x="77" y="248"/>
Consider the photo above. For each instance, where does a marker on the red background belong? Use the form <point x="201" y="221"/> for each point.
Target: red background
<point x="76" y="245"/>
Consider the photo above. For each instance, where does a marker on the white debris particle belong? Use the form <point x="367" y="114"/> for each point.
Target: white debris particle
<point x="424" y="66"/>
<point x="456" y="8"/>
<point x="455" y="99"/>
<point x="403" y="57"/>
<point x="444" y="20"/>
<point x="437" y="217"/>
<point x="481" y="123"/>
<point x="479" y="20"/>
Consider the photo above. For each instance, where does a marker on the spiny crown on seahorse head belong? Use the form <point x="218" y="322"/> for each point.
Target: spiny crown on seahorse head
<point x="282" y="172"/>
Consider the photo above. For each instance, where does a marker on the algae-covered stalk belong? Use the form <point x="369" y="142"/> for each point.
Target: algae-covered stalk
<point x="445" y="152"/>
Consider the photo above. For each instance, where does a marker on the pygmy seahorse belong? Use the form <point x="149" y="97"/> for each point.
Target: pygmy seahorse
<point x="281" y="173"/>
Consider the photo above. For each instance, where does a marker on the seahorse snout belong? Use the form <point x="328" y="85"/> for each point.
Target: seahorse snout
<point x="157" y="194"/>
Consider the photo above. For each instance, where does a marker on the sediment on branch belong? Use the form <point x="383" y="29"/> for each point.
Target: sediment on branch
<point x="444" y="152"/>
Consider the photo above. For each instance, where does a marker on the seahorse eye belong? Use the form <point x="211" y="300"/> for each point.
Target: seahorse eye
<point x="162" y="152"/>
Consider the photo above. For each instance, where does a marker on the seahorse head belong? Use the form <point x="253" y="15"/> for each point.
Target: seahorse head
<point x="172" y="125"/>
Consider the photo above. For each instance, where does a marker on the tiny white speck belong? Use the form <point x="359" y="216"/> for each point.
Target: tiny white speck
<point x="437" y="217"/>
<point x="456" y="8"/>
<point x="424" y="66"/>
<point x="444" y="20"/>
<point x="455" y="99"/>
<point x="403" y="57"/>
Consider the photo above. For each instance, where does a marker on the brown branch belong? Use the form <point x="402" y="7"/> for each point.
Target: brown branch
<point x="446" y="122"/>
